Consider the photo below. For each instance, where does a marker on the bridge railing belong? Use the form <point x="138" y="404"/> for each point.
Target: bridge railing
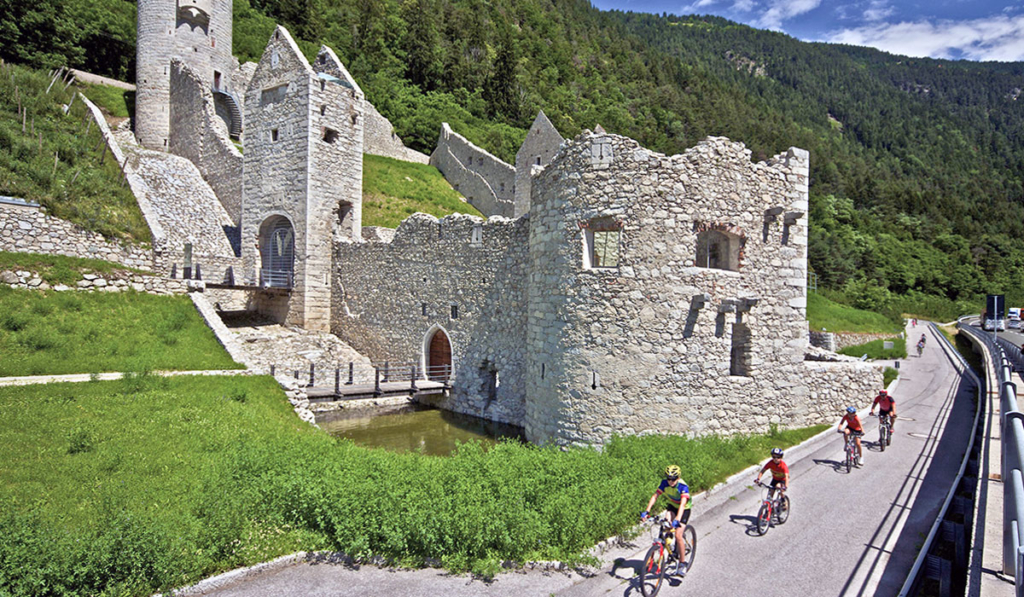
<point x="1006" y="359"/>
<point x="346" y="376"/>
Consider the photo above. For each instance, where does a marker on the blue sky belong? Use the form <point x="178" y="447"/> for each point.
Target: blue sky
<point x="953" y="29"/>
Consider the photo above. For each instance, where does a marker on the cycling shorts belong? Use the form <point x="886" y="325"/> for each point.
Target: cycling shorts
<point x="884" y="413"/>
<point x="685" y="518"/>
<point x="855" y="433"/>
<point x="777" y="482"/>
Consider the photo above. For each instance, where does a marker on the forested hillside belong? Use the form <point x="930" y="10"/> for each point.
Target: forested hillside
<point x="916" y="164"/>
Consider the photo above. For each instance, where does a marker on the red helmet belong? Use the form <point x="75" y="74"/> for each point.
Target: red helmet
<point x="883" y="392"/>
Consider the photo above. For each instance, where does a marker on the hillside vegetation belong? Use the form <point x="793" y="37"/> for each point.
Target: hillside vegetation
<point x="916" y="164"/>
<point x="129" y="487"/>
<point x="393" y="190"/>
<point x="60" y="160"/>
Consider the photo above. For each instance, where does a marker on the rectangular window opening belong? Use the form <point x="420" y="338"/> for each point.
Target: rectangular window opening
<point x="273" y="134"/>
<point x="330" y="135"/>
<point x="601" y="243"/>
<point x="455" y="311"/>
<point x="424" y="307"/>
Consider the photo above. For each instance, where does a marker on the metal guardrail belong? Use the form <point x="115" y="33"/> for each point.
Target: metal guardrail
<point x="1006" y="359"/>
<point x="922" y="556"/>
<point x="270" y="278"/>
<point x="351" y="375"/>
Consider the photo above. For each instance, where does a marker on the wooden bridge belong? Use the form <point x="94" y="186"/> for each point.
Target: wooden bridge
<point x="387" y="381"/>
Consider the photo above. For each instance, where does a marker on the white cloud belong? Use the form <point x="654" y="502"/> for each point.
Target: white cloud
<point x="780" y="10"/>
<point x="878" y="10"/>
<point x="743" y="5"/>
<point x="695" y="7"/>
<point x="993" y="38"/>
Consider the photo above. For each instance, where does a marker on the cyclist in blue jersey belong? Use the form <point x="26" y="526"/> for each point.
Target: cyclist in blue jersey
<point x="678" y="494"/>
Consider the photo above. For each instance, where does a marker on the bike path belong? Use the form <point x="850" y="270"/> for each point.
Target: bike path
<point x="848" y="534"/>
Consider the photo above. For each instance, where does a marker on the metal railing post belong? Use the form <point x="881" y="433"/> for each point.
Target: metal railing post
<point x="386" y="371"/>
<point x="412" y="380"/>
<point x="312" y="377"/>
<point x="337" y="380"/>
<point x="376" y="383"/>
<point x="351" y="372"/>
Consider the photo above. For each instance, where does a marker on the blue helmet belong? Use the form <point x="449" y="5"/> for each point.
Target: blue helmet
<point x="851" y="410"/>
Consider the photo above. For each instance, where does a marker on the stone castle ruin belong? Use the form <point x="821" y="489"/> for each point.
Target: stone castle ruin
<point x="610" y="289"/>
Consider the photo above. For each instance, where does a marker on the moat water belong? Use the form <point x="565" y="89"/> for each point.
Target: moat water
<point x="415" y="428"/>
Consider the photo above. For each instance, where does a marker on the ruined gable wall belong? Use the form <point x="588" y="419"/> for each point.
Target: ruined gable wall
<point x="629" y="349"/>
<point x="198" y="134"/>
<point x="486" y="182"/>
<point x="538" y="149"/>
<point x="379" y="138"/>
<point x="380" y="288"/>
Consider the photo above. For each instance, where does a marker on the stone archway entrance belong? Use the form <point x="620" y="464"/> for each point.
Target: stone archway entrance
<point x="277" y="253"/>
<point x="439" y="357"/>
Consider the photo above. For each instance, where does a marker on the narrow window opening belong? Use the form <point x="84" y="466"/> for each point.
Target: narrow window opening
<point x="345" y="217"/>
<point x="785" y="234"/>
<point x="273" y="134"/>
<point x="478" y="235"/>
<point x="538" y="160"/>
<point x="543" y="368"/>
<point x="323" y="85"/>
<point x="213" y="42"/>
<point x="601" y="243"/>
<point x="323" y="110"/>
<point x="424" y="307"/>
<point x="277" y="35"/>
<point x="455" y="311"/>
<point x="355" y="118"/>
<point x="502" y="187"/>
<point x="216" y="80"/>
<point x="330" y="135"/>
<point x="739" y="356"/>
<point x="165" y="142"/>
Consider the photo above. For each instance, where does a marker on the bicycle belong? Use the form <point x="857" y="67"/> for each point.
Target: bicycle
<point x="777" y="506"/>
<point x="851" y="451"/>
<point x="884" y="431"/>
<point x="920" y="348"/>
<point x="662" y="555"/>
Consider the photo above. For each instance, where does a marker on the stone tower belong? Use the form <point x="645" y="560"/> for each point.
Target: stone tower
<point x="540" y="146"/>
<point x="303" y="171"/>
<point x="196" y="31"/>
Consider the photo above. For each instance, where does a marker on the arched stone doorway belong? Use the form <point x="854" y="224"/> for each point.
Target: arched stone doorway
<point x="439" y="357"/>
<point x="277" y="253"/>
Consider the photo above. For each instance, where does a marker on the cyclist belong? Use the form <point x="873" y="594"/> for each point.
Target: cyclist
<point x="886" y="407"/>
<point x="678" y="494"/>
<point x="780" y="473"/>
<point x="853" y="427"/>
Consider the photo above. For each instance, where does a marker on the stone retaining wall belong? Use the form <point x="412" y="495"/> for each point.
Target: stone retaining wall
<point x="844" y="339"/>
<point x="28" y="229"/>
<point x="486" y="182"/>
<point x="379" y="138"/>
<point x="113" y="282"/>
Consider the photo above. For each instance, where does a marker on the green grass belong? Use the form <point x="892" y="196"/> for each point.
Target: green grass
<point x="889" y="375"/>
<point x="60" y="160"/>
<point x="876" y="349"/>
<point x="113" y="100"/>
<point x="72" y="332"/>
<point x="393" y="190"/>
<point x="128" y="487"/>
<point x="827" y="315"/>
<point x="58" y="269"/>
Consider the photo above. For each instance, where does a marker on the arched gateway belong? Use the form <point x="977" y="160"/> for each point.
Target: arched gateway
<point x="438" y="355"/>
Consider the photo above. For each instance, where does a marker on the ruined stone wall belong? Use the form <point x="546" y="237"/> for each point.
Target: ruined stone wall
<point x="538" y="149"/>
<point x="199" y="32"/>
<point x="379" y="138"/>
<point x="198" y="134"/>
<point x="486" y="182"/>
<point x="27" y="229"/>
<point x="656" y="343"/>
<point x="390" y="297"/>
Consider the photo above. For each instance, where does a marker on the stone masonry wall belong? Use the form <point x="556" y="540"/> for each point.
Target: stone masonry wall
<point x="25" y="229"/>
<point x="379" y="138"/>
<point x="389" y="298"/>
<point x="650" y="345"/>
<point x="538" y="149"/>
<point x="198" y="134"/>
<point x="487" y="182"/>
<point x="198" y="31"/>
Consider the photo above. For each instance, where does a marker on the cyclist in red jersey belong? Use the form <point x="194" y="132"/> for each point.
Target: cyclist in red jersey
<point x="780" y="473"/>
<point x="854" y="427"/>
<point x="886" y="406"/>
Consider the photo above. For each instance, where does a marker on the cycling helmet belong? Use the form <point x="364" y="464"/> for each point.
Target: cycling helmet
<point x="851" y="410"/>
<point x="883" y="392"/>
<point x="672" y="471"/>
<point x="776" y="452"/>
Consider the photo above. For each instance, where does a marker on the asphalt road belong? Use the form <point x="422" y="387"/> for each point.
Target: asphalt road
<point x="848" y="534"/>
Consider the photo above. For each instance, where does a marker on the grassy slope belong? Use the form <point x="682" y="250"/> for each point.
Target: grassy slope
<point x="394" y="190"/>
<point x="60" y="160"/>
<point x="823" y="314"/>
<point x="57" y="269"/>
<point x="149" y="482"/>
<point x="112" y="100"/>
<point x="71" y="332"/>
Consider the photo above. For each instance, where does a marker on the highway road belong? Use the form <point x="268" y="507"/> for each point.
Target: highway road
<point x="848" y="534"/>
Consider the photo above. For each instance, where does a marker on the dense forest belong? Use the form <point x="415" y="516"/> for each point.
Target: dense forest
<point x="917" y="164"/>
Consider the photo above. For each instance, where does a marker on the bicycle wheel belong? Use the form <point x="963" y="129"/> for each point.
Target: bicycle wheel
<point x="881" y="438"/>
<point x="782" y="512"/>
<point x="689" y="546"/>
<point x="764" y="518"/>
<point x="653" y="571"/>
<point x="849" y="460"/>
